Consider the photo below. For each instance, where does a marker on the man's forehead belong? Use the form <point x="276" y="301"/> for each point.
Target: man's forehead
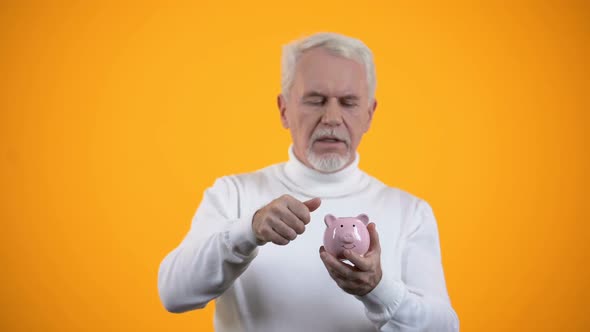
<point x="323" y="62"/>
<point x="331" y="88"/>
<point x="327" y="74"/>
<point x="327" y="93"/>
<point x="318" y="54"/>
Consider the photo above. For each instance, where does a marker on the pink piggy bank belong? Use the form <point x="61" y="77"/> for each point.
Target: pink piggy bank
<point x="346" y="233"/>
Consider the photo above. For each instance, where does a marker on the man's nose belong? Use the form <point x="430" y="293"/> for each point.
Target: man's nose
<point x="332" y="113"/>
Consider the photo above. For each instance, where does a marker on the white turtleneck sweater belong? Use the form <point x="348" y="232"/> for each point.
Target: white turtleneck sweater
<point x="287" y="288"/>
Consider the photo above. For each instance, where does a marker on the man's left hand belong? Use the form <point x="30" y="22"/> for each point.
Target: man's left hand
<point x="366" y="273"/>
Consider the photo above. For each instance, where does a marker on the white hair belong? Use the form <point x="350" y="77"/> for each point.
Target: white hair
<point x="337" y="44"/>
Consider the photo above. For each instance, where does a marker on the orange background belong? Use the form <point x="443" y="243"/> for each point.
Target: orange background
<point x="114" y="117"/>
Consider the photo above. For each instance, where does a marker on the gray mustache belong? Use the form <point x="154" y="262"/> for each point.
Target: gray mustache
<point x="327" y="132"/>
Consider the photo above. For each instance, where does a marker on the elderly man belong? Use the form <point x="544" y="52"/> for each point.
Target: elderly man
<point x="253" y="245"/>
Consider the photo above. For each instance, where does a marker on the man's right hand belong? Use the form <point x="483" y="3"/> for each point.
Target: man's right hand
<point x="281" y="220"/>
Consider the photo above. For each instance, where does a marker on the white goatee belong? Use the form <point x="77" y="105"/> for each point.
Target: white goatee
<point x="329" y="162"/>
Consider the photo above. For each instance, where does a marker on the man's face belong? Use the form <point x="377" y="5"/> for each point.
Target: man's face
<point x="327" y="110"/>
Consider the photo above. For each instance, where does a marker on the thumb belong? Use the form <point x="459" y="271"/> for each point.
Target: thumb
<point x="313" y="204"/>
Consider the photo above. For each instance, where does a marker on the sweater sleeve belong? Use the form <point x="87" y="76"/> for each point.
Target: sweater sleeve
<point x="217" y="249"/>
<point x="418" y="302"/>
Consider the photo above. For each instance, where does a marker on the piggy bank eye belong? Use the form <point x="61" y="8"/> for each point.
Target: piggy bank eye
<point x="341" y="225"/>
<point x="353" y="225"/>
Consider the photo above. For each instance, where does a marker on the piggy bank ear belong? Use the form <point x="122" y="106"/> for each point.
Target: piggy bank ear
<point x="329" y="219"/>
<point x="364" y="218"/>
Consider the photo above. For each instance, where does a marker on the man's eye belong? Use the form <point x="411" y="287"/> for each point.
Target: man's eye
<point x="348" y="103"/>
<point x="315" y="102"/>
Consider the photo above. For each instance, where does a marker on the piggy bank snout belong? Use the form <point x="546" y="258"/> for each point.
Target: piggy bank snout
<point x="348" y="237"/>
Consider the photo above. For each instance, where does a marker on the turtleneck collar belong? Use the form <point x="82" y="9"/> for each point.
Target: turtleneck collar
<point x="313" y="183"/>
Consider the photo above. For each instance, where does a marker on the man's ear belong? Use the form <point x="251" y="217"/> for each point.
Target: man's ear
<point x="282" y="105"/>
<point x="371" y="110"/>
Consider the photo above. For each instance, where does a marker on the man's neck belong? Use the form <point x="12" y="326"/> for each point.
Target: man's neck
<point x="315" y="183"/>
